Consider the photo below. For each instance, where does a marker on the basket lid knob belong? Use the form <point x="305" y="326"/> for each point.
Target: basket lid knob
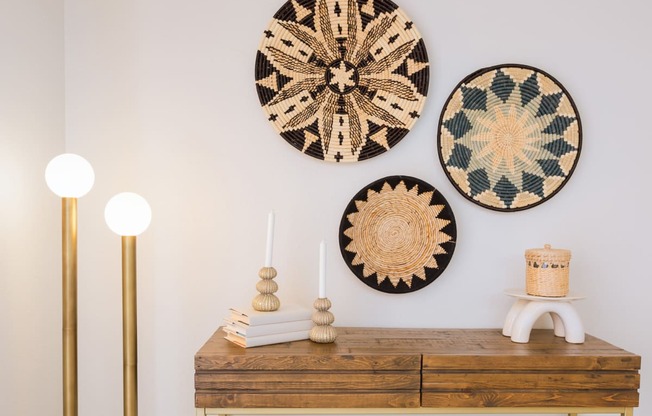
<point x="548" y="252"/>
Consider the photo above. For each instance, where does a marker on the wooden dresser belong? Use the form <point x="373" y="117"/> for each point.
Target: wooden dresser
<point x="429" y="371"/>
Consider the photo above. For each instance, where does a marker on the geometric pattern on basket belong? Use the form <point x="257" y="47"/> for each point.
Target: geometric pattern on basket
<point x="342" y="80"/>
<point x="398" y="234"/>
<point x="509" y="137"/>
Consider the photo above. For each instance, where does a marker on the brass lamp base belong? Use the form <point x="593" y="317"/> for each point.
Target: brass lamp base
<point x="69" y="317"/>
<point x="129" y="327"/>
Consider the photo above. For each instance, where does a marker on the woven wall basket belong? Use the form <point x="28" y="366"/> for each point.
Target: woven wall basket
<point x="342" y="80"/>
<point x="509" y="137"/>
<point x="547" y="271"/>
<point x="398" y="234"/>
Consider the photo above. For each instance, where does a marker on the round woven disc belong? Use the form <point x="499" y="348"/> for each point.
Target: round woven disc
<point x="342" y="80"/>
<point x="398" y="234"/>
<point x="509" y="137"/>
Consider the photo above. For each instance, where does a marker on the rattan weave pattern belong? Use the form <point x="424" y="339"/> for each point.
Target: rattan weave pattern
<point x="509" y="137"/>
<point x="547" y="271"/>
<point x="342" y="80"/>
<point x="398" y="234"/>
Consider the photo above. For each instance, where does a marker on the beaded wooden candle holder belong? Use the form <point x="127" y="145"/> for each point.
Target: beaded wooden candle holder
<point x="323" y="332"/>
<point x="266" y="301"/>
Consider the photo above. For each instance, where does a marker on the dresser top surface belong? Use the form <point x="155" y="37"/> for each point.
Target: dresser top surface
<point x="436" y="347"/>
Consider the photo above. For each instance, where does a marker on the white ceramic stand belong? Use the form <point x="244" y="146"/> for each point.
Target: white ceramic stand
<point x="527" y="309"/>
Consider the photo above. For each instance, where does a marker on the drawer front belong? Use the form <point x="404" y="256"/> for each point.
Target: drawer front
<point x="519" y="398"/>
<point x="532" y="362"/>
<point x="275" y="381"/>
<point x="530" y="389"/>
<point x="584" y="380"/>
<point x="277" y="362"/>
<point x="369" y="399"/>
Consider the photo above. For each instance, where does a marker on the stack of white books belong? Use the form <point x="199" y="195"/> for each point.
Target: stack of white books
<point x="248" y="327"/>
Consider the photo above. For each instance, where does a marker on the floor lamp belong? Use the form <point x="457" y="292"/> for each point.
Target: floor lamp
<point x="69" y="176"/>
<point x="128" y="215"/>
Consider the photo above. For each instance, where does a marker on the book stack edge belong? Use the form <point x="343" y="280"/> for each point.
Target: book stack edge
<point x="247" y="327"/>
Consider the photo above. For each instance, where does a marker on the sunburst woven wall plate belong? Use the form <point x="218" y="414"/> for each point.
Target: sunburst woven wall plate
<point x="509" y="137"/>
<point x="398" y="234"/>
<point x="342" y="80"/>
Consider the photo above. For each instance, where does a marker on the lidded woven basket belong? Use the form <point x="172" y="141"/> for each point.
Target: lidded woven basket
<point x="546" y="271"/>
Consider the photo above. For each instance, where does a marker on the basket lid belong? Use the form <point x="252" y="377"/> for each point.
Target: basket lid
<point x="547" y="252"/>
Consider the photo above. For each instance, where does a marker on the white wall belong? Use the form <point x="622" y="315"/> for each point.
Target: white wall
<point x="31" y="131"/>
<point x="160" y="98"/>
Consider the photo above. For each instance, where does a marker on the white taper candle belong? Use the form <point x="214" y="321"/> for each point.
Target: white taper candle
<point x="270" y="239"/>
<point x="322" y="270"/>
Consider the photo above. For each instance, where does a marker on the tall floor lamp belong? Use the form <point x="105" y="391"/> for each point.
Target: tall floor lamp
<point x="70" y="176"/>
<point x="128" y="215"/>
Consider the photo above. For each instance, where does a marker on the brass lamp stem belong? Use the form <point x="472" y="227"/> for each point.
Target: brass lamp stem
<point x="129" y="333"/>
<point x="69" y="292"/>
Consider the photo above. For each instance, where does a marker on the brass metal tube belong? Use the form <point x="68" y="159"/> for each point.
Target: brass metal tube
<point x="69" y="293"/>
<point x="129" y="327"/>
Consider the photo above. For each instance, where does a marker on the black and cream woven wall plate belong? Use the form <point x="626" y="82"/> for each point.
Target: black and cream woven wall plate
<point x="398" y="234"/>
<point x="509" y="137"/>
<point x="342" y="80"/>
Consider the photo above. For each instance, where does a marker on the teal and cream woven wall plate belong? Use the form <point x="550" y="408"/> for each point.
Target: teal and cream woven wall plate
<point x="342" y="80"/>
<point x="509" y="137"/>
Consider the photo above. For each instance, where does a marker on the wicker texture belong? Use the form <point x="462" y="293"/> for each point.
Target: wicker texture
<point x="547" y="271"/>
<point x="398" y="234"/>
<point x="342" y="80"/>
<point x="509" y="137"/>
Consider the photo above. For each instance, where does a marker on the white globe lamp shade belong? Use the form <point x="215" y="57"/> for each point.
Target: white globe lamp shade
<point x="128" y="214"/>
<point x="69" y="176"/>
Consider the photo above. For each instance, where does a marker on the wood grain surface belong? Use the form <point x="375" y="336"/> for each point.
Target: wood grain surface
<point x="407" y="368"/>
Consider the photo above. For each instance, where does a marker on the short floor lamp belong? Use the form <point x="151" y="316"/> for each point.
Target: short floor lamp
<point x="69" y="176"/>
<point x="128" y="215"/>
